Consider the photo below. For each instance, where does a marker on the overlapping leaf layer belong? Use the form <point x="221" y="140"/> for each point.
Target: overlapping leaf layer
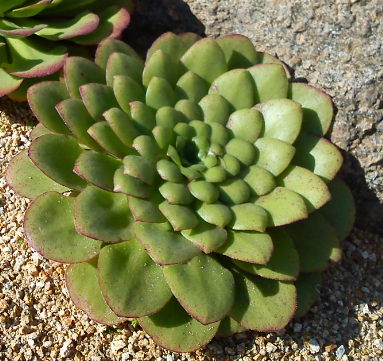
<point x="194" y="191"/>
<point x="36" y="36"/>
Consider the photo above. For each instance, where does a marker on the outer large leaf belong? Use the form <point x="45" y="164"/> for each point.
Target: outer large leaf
<point x="307" y="285"/>
<point x="50" y="230"/>
<point x="211" y="297"/>
<point x="174" y="329"/>
<point x="228" y="327"/>
<point x="28" y="180"/>
<point x="83" y="288"/>
<point x="142" y="289"/>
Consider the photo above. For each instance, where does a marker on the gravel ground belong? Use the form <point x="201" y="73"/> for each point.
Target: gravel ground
<point x="336" y="45"/>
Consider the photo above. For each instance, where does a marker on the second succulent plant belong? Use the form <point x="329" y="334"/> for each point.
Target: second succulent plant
<point x="194" y="191"/>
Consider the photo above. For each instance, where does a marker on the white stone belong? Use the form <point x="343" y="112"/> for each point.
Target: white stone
<point x="378" y="343"/>
<point x="314" y="345"/>
<point x="117" y="345"/>
<point x="298" y="327"/>
<point x="340" y="352"/>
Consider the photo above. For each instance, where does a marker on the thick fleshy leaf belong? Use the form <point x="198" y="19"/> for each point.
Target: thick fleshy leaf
<point x="164" y="136"/>
<point x="98" y="98"/>
<point x="32" y="58"/>
<point x="55" y="155"/>
<point x="211" y="298"/>
<point x="340" y="210"/>
<point x="228" y="327"/>
<point x="259" y="180"/>
<point x="313" y="189"/>
<point x="109" y="46"/>
<point x="318" y="155"/>
<point x="236" y="86"/>
<point x="284" y="262"/>
<point x="176" y="193"/>
<point x="274" y="155"/>
<point x="78" y="120"/>
<point x="317" y="107"/>
<point x="206" y="236"/>
<point x="132" y="186"/>
<point x="242" y="150"/>
<point x="168" y="117"/>
<point x="215" y="108"/>
<point x="50" y="230"/>
<point x="9" y="82"/>
<point x="248" y="217"/>
<point x="123" y="64"/>
<point x="219" y="134"/>
<point x="97" y="169"/>
<point x="307" y="285"/>
<point x="215" y="213"/>
<point x="83" y="288"/>
<point x="140" y="168"/>
<point x="28" y="10"/>
<point x="127" y="90"/>
<point x="160" y="93"/>
<point x="204" y="191"/>
<point x="190" y="86"/>
<point x="38" y="131"/>
<point x="170" y="44"/>
<point x="283" y="206"/>
<point x="122" y="125"/>
<point x="169" y="171"/>
<point x="28" y="180"/>
<point x="147" y="147"/>
<point x="206" y="59"/>
<point x="160" y="64"/>
<point x="246" y="124"/>
<point x="17" y="28"/>
<point x="113" y="20"/>
<point x="143" y="116"/>
<point x="239" y="51"/>
<point x="248" y="246"/>
<point x="261" y="304"/>
<point x="233" y="191"/>
<point x="79" y="71"/>
<point x="164" y="246"/>
<point x="282" y="119"/>
<point x="175" y="330"/>
<point x="129" y="266"/>
<point x="180" y="217"/>
<point x="189" y="109"/>
<point x="103" y="134"/>
<point x="316" y="241"/>
<point x="270" y="82"/>
<point x="103" y="215"/>
<point x="43" y="98"/>
<point x="146" y="210"/>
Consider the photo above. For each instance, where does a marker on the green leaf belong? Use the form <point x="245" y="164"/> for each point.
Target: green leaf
<point x="204" y="191"/>
<point x="42" y="99"/>
<point x="270" y="82"/>
<point x="79" y="71"/>
<point x="160" y="93"/>
<point x="55" y="155"/>
<point x="313" y="189"/>
<point x="180" y="217"/>
<point x="239" y="51"/>
<point x="206" y="236"/>
<point x="50" y="230"/>
<point x="147" y="147"/>
<point x="28" y="180"/>
<point x="248" y="217"/>
<point x="206" y="59"/>
<point x="215" y="109"/>
<point x="142" y="289"/>
<point x="211" y="298"/>
<point x="170" y="44"/>
<point x="32" y="58"/>
<point x="233" y="191"/>
<point x="140" y="168"/>
<point x="28" y="10"/>
<point x="318" y="109"/>
<point x="143" y="117"/>
<point x="169" y="171"/>
<point x="259" y="180"/>
<point x="242" y="150"/>
<point x="168" y="117"/>
<point x="190" y="86"/>
<point x="284" y="262"/>
<point x="340" y="210"/>
<point x="248" y="246"/>
<point x="109" y="46"/>
<point x="132" y="186"/>
<point x="189" y="109"/>
<point x="318" y="155"/>
<point x="307" y="285"/>
<point x="161" y="65"/>
<point x="316" y="241"/>
<point x="219" y="134"/>
<point x="78" y="120"/>
<point x="126" y="91"/>
<point x="246" y="124"/>
<point x="123" y="64"/>
<point x="82" y="284"/>
<point x="228" y="327"/>
<point x="274" y="155"/>
<point x="163" y="244"/>
<point x="176" y="193"/>
<point x="175" y="330"/>
<point x="103" y="215"/>
<point x="282" y="119"/>
<point x="38" y="131"/>
<point x="236" y="86"/>
<point x="214" y="213"/>
<point x="146" y="210"/>
<point x="283" y="206"/>
<point x="97" y="169"/>
<point x="261" y="304"/>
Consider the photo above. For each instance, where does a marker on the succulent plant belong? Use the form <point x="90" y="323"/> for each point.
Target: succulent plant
<point x="36" y="36"/>
<point x="194" y="192"/>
